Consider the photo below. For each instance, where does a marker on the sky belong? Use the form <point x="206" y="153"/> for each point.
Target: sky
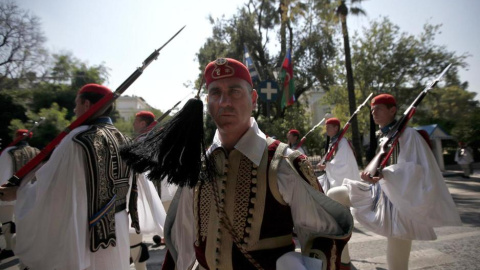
<point x="121" y="34"/>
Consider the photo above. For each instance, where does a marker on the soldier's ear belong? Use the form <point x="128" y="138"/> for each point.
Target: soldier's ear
<point x="254" y="97"/>
<point x="87" y="104"/>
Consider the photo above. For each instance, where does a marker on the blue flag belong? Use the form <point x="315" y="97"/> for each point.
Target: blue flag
<point x="247" y="60"/>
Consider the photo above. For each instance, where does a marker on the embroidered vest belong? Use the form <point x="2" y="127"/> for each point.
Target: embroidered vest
<point x="381" y="134"/>
<point x="378" y="196"/>
<point x="21" y="155"/>
<point x="260" y="219"/>
<point x="107" y="181"/>
<point x="396" y="151"/>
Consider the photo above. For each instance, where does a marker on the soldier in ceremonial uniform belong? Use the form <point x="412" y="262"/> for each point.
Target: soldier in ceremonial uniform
<point x="464" y="157"/>
<point x="74" y="215"/>
<point x="243" y="218"/>
<point x="343" y="163"/>
<point x="12" y="159"/>
<point x="293" y="138"/>
<point x="151" y="214"/>
<point x="409" y="197"/>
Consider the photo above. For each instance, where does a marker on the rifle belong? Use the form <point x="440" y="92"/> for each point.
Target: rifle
<point x="310" y="131"/>
<point x="387" y="144"/>
<point x="153" y="125"/>
<point x="329" y="155"/>
<point x="92" y="113"/>
<point x="25" y="135"/>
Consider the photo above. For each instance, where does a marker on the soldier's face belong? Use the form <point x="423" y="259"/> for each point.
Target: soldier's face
<point x="230" y="103"/>
<point x="139" y="125"/>
<point x="332" y="130"/>
<point x="81" y="107"/>
<point x="382" y="115"/>
<point x="291" y="138"/>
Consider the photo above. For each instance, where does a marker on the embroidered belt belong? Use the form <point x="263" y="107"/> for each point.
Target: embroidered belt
<point x="98" y="216"/>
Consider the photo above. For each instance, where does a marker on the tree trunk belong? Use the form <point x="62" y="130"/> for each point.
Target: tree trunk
<point x="373" y="141"/>
<point x="357" y="144"/>
<point x="283" y="32"/>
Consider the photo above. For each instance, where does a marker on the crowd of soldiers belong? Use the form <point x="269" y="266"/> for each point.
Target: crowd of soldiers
<point x="87" y="207"/>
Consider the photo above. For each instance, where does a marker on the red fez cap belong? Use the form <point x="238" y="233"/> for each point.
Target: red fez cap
<point x="332" y="121"/>
<point x="294" y="131"/>
<point x="95" y="88"/>
<point x="20" y="133"/>
<point x="226" y="68"/>
<point x="145" y="114"/>
<point x="386" y="99"/>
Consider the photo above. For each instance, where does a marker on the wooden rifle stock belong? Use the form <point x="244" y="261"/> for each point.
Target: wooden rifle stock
<point x="388" y="143"/>
<point x="329" y="155"/>
<point x="97" y="109"/>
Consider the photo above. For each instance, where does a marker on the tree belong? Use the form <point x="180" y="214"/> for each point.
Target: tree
<point x="280" y="127"/>
<point x="342" y="12"/>
<point x="256" y="24"/>
<point x="55" y="122"/>
<point x="384" y="60"/>
<point x="389" y="61"/>
<point x="67" y="75"/>
<point x="467" y="130"/>
<point x="21" y="45"/>
<point x="10" y="110"/>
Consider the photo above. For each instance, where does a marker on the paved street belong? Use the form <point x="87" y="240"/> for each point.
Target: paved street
<point x="455" y="248"/>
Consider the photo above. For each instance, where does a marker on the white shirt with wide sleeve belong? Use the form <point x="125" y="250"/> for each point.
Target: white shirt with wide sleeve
<point x="151" y="214"/>
<point x="309" y="215"/>
<point x="343" y="165"/>
<point x="6" y="170"/>
<point x="413" y="197"/>
<point x="52" y="220"/>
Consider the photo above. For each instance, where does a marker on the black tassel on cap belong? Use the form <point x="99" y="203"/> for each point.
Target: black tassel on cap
<point x="177" y="151"/>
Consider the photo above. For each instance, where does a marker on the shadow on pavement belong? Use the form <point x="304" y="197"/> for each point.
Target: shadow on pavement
<point x="466" y="198"/>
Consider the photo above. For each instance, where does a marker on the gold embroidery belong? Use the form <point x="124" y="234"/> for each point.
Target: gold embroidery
<point x="242" y="195"/>
<point x="248" y="182"/>
<point x="272" y="173"/>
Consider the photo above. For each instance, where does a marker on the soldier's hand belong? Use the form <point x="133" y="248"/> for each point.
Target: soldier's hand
<point x="321" y="167"/>
<point x="8" y="193"/>
<point x="366" y="177"/>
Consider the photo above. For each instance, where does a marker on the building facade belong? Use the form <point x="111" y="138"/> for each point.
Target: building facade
<point x="128" y="106"/>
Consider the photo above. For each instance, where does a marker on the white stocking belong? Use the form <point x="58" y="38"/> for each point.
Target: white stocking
<point x="6" y="215"/>
<point x="135" y="252"/>
<point x="398" y="253"/>
<point x="340" y="194"/>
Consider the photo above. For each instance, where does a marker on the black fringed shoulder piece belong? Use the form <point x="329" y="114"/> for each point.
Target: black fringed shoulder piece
<point x="176" y="152"/>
